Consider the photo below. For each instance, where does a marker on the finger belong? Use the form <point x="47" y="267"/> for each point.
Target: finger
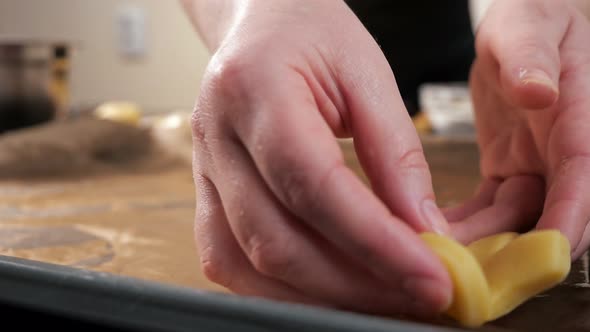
<point x="517" y="205"/>
<point x="584" y="244"/>
<point x="222" y="260"/>
<point x="483" y="198"/>
<point x="523" y="37"/>
<point x="301" y="162"/>
<point x="568" y="201"/>
<point x="279" y="246"/>
<point x="567" y="206"/>
<point x="387" y="143"/>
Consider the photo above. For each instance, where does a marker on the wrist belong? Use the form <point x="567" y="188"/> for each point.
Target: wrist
<point x="262" y="17"/>
<point x="212" y="19"/>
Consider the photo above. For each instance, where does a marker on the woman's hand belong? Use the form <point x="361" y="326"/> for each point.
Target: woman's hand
<point x="278" y="213"/>
<point x="531" y="90"/>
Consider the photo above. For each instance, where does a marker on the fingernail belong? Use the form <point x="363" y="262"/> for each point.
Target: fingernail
<point x="425" y="290"/>
<point x="536" y="76"/>
<point x="434" y="217"/>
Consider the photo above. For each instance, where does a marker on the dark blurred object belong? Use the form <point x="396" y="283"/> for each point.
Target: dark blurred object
<point x="424" y="41"/>
<point x="60" y="70"/>
<point x="17" y="112"/>
<point x="33" y="82"/>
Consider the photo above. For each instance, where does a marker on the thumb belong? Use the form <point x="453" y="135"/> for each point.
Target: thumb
<point x="522" y="38"/>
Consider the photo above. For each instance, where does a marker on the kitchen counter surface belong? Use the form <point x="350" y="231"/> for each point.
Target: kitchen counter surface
<point x="140" y="225"/>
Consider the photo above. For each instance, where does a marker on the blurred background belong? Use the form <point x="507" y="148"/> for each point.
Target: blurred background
<point x="95" y="140"/>
<point x="145" y="51"/>
<point x="95" y="143"/>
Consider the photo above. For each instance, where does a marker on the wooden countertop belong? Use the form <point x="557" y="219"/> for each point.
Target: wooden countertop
<point x="140" y="225"/>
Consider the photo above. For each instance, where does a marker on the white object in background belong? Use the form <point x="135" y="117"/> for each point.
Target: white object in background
<point x="131" y="31"/>
<point x="448" y="108"/>
<point x="477" y="11"/>
<point x="119" y="111"/>
<point x="173" y="133"/>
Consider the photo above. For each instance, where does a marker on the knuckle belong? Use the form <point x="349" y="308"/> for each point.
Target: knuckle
<point x="198" y="120"/>
<point x="232" y="85"/>
<point x="205" y="213"/>
<point x="538" y="48"/>
<point x="412" y="159"/>
<point x="273" y="257"/>
<point x="214" y="269"/>
<point x="574" y="161"/>
<point x="483" y="39"/>
<point x="231" y="76"/>
<point x="207" y="131"/>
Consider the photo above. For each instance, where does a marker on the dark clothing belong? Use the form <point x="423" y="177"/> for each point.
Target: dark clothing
<point x="423" y="40"/>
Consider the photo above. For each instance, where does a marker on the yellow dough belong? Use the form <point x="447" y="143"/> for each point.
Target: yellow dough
<point x="494" y="275"/>
<point x="122" y="112"/>
<point x="485" y="248"/>
<point x="471" y="295"/>
<point x="525" y="267"/>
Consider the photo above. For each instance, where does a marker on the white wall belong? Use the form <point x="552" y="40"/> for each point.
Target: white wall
<point x="167" y="77"/>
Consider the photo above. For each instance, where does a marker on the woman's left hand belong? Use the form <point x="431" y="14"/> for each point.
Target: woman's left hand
<point x="530" y="85"/>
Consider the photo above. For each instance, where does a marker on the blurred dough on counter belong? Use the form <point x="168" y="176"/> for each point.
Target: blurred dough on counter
<point x="122" y="112"/>
<point x="173" y="133"/>
<point x="78" y="147"/>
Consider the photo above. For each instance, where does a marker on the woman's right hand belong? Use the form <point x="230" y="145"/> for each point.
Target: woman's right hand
<point x="279" y="214"/>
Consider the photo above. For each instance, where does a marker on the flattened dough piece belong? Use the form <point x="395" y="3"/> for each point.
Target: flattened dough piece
<point x="494" y="275"/>
<point x="525" y="267"/>
<point x="487" y="247"/>
<point x="471" y="294"/>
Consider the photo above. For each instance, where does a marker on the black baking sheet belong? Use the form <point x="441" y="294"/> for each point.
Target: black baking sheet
<point x="62" y="295"/>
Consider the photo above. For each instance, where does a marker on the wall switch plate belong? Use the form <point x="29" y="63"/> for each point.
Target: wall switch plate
<point x="131" y="31"/>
